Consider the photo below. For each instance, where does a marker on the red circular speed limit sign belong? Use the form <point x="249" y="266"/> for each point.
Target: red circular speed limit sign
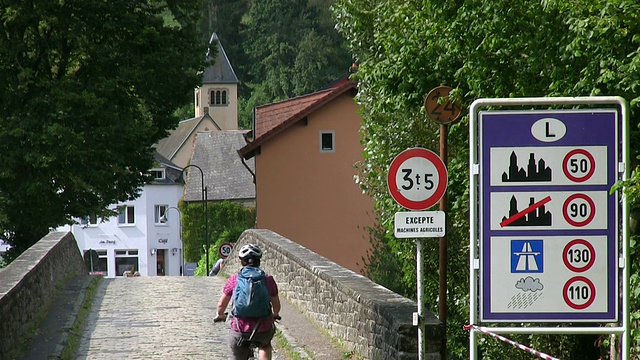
<point x="579" y="210"/>
<point x="578" y="255"/>
<point x="579" y="292"/>
<point x="578" y="165"/>
<point x="225" y="250"/>
<point x="417" y="179"/>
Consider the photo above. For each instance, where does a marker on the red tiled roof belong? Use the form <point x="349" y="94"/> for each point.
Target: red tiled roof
<point x="271" y="119"/>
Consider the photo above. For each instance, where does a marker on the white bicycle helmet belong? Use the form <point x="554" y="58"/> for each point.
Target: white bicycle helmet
<point x="250" y="251"/>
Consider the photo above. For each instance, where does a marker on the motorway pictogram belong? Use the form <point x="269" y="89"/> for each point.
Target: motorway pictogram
<point x="527" y="256"/>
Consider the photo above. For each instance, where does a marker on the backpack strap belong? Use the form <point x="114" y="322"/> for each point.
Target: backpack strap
<point x="255" y="328"/>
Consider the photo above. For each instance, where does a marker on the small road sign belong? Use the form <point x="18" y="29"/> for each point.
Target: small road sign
<point x="225" y="250"/>
<point x="417" y="179"/>
<point x="419" y="224"/>
<point x="441" y="112"/>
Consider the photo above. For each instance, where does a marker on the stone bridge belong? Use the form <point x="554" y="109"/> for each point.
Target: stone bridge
<point x="52" y="309"/>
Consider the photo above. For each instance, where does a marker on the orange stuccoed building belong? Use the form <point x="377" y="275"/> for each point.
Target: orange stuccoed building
<point x="305" y="149"/>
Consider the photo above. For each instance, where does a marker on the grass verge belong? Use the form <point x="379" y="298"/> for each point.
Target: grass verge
<point x="33" y="328"/>
<point x="282" y="344"/>
<point x="73" y="340"/>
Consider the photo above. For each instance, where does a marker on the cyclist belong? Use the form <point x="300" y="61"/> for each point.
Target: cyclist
<point x="260" y="330"/>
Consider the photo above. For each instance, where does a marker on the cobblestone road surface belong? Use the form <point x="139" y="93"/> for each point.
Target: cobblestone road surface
<point x="156" y="318"/>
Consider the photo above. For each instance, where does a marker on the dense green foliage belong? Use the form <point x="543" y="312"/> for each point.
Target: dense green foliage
<point x="483" y="49"/>
<point x="87" y="88"/>
<point x="226" y="220"/>
<point x="278" y="48"/>
<point x="632" y="191"/>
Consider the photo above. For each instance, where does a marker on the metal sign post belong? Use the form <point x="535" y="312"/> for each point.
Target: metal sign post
<point x="418" y="319"/>
<point x="439" y="108"/>
<point x="417" y="180"/>
<point x="545" y="239"/>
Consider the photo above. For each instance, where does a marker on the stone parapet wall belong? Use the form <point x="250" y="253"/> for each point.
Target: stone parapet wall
<point x="28" y="284"/>
<point x="368" y="318"/>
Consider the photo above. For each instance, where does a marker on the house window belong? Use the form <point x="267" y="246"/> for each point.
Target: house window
<point x="218" y="97"/>
<point x="126" y="215"/>
<point x="159" y="212"/>
<point x="91" y="220"/>
<point x="97" y="261"/>
<point x="158" y="174"/>
<point x="126" y="260"/>
<point x="327" y="141"/>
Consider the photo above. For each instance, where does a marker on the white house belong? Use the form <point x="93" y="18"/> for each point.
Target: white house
<point x="139" y="238"/>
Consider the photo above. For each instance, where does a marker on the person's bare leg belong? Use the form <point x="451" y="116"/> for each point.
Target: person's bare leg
<point x="265" y="353"/>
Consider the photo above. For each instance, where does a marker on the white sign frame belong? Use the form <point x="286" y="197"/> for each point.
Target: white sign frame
<point x="620" y="328"/>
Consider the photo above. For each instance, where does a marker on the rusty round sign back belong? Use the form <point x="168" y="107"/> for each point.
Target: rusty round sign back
<point x="442" y="113"/>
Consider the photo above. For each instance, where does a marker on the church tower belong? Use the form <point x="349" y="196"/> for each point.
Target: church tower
<point x="218" y="95"/>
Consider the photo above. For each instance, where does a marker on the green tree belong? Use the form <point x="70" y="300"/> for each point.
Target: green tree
<point x="484" y="49"/>
<point x="87" y="89"/>
<point x="225" y="18"/>
<point x="293" y="47"/>
<point x="226" y="220"/>
<point x="278" y="48"/>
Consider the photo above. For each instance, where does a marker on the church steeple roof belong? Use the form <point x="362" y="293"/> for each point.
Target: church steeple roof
<point x="221" y="72"/>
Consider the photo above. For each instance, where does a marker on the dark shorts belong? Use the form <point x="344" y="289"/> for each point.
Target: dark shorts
<point x="242" y="352"/>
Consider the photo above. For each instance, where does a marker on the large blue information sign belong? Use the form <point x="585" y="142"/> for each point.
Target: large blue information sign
<point x="548" y="225"/>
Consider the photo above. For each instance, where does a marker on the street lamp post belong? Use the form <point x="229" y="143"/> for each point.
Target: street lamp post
<point x="206" y="216"/>
<point x="164" y="219"/>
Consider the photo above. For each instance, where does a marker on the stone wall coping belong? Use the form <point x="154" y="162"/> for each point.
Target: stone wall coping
<point x="355" y="285"/>
<point x="28" y="283"/>
<point x="14" y="273"/>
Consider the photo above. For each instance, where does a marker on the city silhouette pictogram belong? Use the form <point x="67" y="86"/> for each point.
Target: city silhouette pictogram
<point x="535" y="217"/>
<point x="535" y="171"/>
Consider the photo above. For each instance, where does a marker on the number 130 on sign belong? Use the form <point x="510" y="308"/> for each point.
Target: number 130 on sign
<point x="417" y="179"/>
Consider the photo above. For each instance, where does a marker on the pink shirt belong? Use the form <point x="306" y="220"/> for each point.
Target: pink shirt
<point x="247" y="324"/>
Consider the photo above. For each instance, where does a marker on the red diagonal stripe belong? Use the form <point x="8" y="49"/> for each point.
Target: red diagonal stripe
<point x="524" y="212"/>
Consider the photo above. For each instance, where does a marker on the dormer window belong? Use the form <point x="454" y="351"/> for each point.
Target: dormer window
<point x="158" y="174"/>
<point x="218" y="97"/>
